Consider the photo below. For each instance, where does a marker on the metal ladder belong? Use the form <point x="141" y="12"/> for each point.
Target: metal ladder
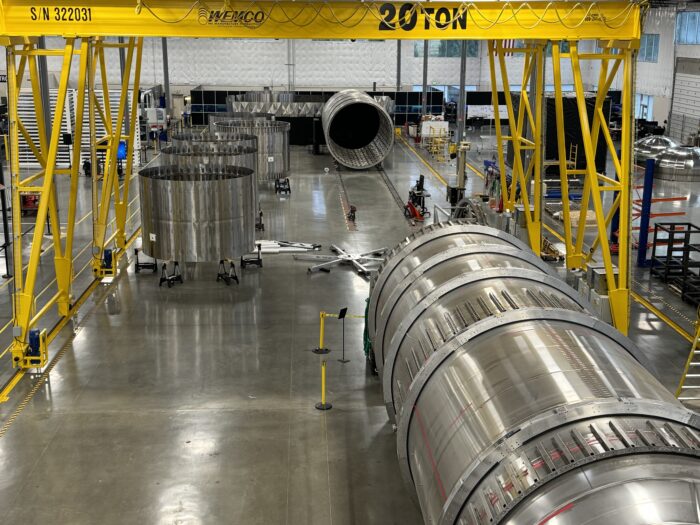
<point x="689" y="386"/>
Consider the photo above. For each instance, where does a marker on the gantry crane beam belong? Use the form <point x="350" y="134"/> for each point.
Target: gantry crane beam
<point x="365" y="20"/>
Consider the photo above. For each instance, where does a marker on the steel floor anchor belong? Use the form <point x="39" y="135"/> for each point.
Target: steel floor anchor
<point x="360" y="261"/>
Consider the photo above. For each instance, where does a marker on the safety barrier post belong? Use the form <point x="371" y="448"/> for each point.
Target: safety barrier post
<point x="323" y="405"/>
<point x="321" y="349"/>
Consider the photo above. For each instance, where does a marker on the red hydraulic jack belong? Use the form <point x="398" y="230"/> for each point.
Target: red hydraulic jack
<point x="415" y="207"/>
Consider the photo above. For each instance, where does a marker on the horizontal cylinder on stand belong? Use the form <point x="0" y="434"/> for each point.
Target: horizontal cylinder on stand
<point x="273" y="144"/>
<point x="513" y="403"/>
<point x="197" y="214"/>
<point x="359" y="132"/>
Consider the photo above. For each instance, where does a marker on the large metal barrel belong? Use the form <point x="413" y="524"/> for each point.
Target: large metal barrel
<point x="197" y="214"/>
<point x="273" y="144"/>
<point x="199" y="155"/>
<point x="359" y="132"/>
<point x="513" y="404"/>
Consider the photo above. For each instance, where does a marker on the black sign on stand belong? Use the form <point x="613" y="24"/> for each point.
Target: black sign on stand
<point x="341" y="316"/>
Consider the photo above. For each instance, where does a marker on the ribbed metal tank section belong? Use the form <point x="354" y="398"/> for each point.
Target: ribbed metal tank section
<point x="359" y="132"/>
<point x="273" y="144"/>
<point x="197" y="214"/>
<point x="512" y="403"/>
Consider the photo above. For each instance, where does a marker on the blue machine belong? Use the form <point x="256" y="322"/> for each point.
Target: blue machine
<point x="34" y="343"/>
<point x="107" y="258"/>
<point x="121" y="150"/>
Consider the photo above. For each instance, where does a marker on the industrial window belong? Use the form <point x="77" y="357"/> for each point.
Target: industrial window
<point x="649" y="48"/>
<point x="446" y="48"/>
<point x="644" y="106"/>
<point x="563" y="48"/>
<point x="688" y="27"/>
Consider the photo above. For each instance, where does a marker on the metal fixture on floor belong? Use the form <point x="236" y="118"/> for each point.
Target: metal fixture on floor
<point x="364" y="263"/>
<point x="170" y="278"/>
<point x="675" y="257"/>
<point x="414" y="208"/>
<point x="138" y="265"/>
<point x="253" y="260"/>
<point x="283" y="186"/>
<point x="227" y="276"/>
<point x="359" y="132"/>
<point x="189" y="225"/>
<point x="273" y="144"/>
<point x="514" y="404"/>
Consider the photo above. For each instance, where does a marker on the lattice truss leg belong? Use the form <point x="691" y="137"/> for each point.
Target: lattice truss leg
<point x="81" y="59"/>
<point x="526" y="133"/>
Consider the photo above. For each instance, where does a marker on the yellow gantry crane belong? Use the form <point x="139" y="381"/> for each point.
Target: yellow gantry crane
<point x="93" y="29"/>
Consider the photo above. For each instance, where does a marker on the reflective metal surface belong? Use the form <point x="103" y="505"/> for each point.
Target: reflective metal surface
<point x="197" y="214"/>
<point x="681" y="164"/>
<point x="504" y="388"/>
<point x="652" y="146"/>
<point x="420" y="246"/>
<point x="359" y="132"/>
<point x="199" y="156"/>
<point x="273" y="144"/>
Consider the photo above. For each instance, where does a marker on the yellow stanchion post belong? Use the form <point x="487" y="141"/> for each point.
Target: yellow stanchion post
<point x="321" y="349"/>
<point x="323" y="405"/>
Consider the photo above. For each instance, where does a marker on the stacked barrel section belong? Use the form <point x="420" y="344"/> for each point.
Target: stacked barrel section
<point x="273" y="142"/>
<point x="199" y="198"/>
<point x="512" y="403"/>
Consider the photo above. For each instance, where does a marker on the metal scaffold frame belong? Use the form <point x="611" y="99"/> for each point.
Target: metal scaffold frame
<point x="615" y="55"/>
<point x="22" y="58"/>
<point x="87" y="26"/>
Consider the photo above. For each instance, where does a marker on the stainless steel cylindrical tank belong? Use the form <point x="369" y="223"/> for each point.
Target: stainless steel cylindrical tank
<point x="514" y="405"/>
<point x="273" y="144"/>
<point x="198" y="214"/>
<point x="679" y="164"/>
<point x="198" y="155"/>
<point x="652" y="146"/>
<point x="359" y="132"/>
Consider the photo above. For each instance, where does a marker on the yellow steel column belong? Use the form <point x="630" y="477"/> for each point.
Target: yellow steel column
<point x="497" y="119"/>
<point x="121" y="204"/>
<point x="64" y="263"/>
<point x="535" y="229"/>
<point x="561" y="150"/>
<point x="108" y="182"/>
<point x="620" y="297"/>
<point x="24" y="302"/>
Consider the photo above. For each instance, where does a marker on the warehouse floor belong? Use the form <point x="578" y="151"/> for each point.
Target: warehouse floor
<point x="196" y="404"/>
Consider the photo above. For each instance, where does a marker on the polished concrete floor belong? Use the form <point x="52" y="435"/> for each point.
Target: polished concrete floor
<point x="195" y="404"/>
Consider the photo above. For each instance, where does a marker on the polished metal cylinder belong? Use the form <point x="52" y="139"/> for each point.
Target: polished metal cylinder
<point x="200" y="156"/>
<point x="197" y="214"/>
<point x="508" y="394"/>
<point x="359" y="132"/>
<point x="273" y="144"/>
